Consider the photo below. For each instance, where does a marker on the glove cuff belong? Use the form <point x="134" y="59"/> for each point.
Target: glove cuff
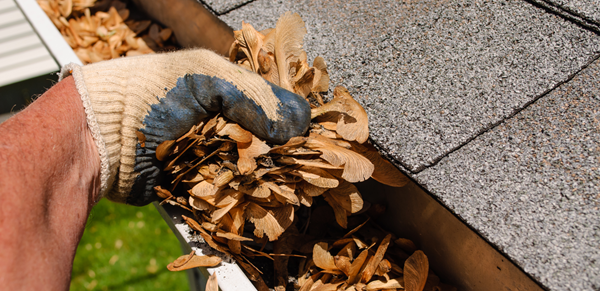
<point x="118" y="95"/>
<point x="94" y="126"/>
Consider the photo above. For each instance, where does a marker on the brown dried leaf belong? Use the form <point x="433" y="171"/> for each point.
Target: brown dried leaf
<point x="352" y="123"/>
<point x="416" y="269"/>
<point x="322" y="83"/>
<point x="204" y="170"/>
<point x="390" y="284"/>
<point x="266" y="202"/>
<point x="348" y="197"/>
<point x="234" y="246"/>
<point x="162" y="193"/>
<point x="193" y="224"/>
<point x="65" y="7"/>
<point x="406" y="245"/>
<point x="356" y="266"/>
<point x="254" y="42"/>
<point x="262" y="190"/>
<point x="322" y="258"/>
<point x="210" y="126"/>
<point x="341" y="243"/>
<point x="226" y="201"/>
<point x="375" y="260"/>
<point x="193" y="261"/>
<point x="223" y="178"/>
<point x="343" y="263"/>
<point x="303" y="85"/>
<point x="268" y="67"/>
<point x="359" y="243"/>
<point x="174" y="203"/>
<point x="328" y="287"/>
<point x="264" y="222"/>
<point x="164" y="149"/>
<point x="165" y="34"/>
<point x="338" y="210"/>
<point x="312" y="190"/>
<point x="284" y="215"/>
<point x="357" y="168"/>
<point x="308" y="284"/>
<point x="290" y="146"/>
<point x="286" y="194"/>
<point x="305" y="199"/>
<point x="317" y="177"/>
<point x="384" y="267"/>
<point x="235" y="132"/>
<point x="141" y="26"/>
<point x="213" y="244"/>
<point x="248" y="152"/>
<point x="203" y="189"/>
<point x="232" y="236"/>
<point x="257" y="252"/>
<point x="356" y="228"/>
<point x="348" y="250"/>
<point x="210" y="226"/>
<point x="211" y="283"/>
<point x="315" y="163"/>
<point x="182" y="200"/>
<point x="384" y="172"/>
<point x="154" y="34"/>
<point x="289" y="35"/>
<point x="237" y="217"/>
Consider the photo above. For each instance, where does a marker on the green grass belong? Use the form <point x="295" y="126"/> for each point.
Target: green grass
<point x="126" y="248"/>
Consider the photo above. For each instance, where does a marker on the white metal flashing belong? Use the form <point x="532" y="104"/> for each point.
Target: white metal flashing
<point x="22" y="53"/>
<point x="51" y="37"/>
<point x="229" y="275"/>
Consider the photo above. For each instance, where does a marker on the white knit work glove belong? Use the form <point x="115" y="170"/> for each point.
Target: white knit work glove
<point x="163" y="96"/>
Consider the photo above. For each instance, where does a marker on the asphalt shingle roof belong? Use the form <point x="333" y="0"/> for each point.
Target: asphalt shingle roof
<point x="492" y="106"/>
<point x="432" y="77"/>
<point x="531" y="185"/>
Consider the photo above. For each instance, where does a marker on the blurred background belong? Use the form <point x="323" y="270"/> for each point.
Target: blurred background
<point x="126" y="248"/>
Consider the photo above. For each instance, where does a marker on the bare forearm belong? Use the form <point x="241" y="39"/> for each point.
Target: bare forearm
<point x="49" y="179"/>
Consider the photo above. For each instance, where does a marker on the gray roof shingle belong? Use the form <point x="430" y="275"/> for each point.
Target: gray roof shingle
<point x="434" y="75"/>
<point x="531" y="186"/>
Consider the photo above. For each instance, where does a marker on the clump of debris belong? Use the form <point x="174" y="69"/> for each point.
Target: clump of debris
<point x="226" y="176"/>
<point x="106" y="29"/>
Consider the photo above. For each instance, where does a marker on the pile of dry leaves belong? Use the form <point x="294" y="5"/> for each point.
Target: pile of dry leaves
<point x="108" y="32"/>
<point x="225" y="176"/>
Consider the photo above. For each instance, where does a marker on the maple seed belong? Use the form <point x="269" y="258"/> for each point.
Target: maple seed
<point x="211" y="283"/>
<point x="193" y="261"/>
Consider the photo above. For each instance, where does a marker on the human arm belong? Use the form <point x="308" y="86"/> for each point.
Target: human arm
<point x="78" y="143"/>
<point x="49" y="181"/>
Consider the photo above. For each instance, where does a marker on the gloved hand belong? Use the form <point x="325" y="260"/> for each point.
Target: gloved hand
<point x="163" y="96"/>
